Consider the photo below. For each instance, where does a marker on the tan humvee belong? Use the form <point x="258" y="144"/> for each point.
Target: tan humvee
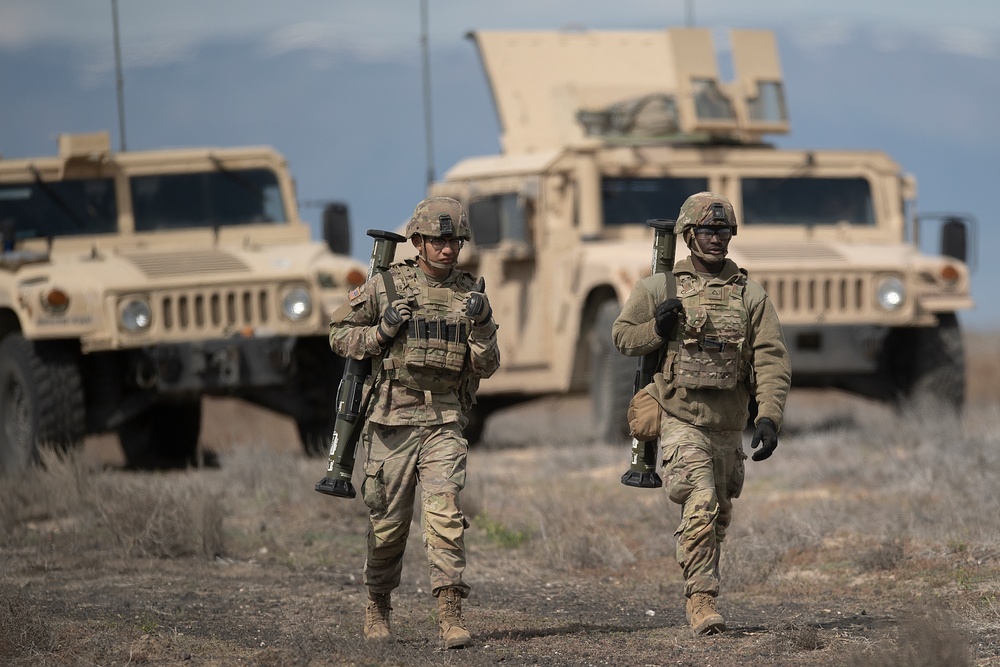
<point x="605" y="130"/>
<point x="132" y="284"/>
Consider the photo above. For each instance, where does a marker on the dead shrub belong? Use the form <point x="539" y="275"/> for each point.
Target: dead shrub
<point x="748" y="562"/>
<point x="163" y="521"/>
<point x="23" y="630"/>
<point x="58" y="487"/>
<point x="886" y="555"/>
<point x="930" y="641"/>
<point x="797" y="637"/>
<point x="575" y="550"/>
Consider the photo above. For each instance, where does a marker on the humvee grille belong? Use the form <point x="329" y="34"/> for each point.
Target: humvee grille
<point x="168" y="264"/>
<point x="215" y="310"/>
<point x="819" y="296"/>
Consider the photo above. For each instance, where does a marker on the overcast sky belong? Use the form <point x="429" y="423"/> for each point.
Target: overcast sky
<point x="387" y="28"/>
<point x="335" y="85"/>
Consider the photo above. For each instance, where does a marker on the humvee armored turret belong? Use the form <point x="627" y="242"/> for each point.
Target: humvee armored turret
<point x="602" y="131"/>
<point x="132" y="284"/>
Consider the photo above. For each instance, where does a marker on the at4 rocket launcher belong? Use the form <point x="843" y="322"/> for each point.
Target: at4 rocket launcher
<point x="642" y="471"/>
<point x="352" y="402"/>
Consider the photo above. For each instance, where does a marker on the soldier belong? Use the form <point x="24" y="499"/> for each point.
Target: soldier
<point x="722" y="345"/>
<point x="430" y="331"/>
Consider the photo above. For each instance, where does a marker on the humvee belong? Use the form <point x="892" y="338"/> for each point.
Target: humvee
<point x="602" y="131"/>
<point x="132" y="284"/>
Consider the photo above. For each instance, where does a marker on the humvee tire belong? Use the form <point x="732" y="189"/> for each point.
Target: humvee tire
<point x="315" y="436"/>
<point x="317" y="381"/>
<point x="929" y="364"/>
<point x="165" y="436"/>
<point x="473" y="431"/>
<point x="611" y="377"/>
<point x="41" y="400"/>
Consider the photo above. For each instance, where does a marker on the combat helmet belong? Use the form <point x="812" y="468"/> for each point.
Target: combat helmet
<point x="705" y="209"/>
<point x="438" y="216"/>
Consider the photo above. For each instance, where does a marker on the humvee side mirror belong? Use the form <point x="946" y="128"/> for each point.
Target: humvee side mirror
<point x="955" y="238"/>
<point x="8" y="234"/>
<point x="337" y="228"/>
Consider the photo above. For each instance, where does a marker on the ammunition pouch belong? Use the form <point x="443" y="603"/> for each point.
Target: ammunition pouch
<point x="436" y="344"/>
<point x="708" y="364"/>
<point x="644" y="414"/>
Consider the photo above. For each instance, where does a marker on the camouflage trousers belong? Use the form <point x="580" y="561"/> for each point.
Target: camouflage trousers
<point x="703" y="471"/>
<point x="398" y="458"/>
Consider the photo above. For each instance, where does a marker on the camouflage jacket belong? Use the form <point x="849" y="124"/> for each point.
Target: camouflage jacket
<point x="768" y="370"/>
<point x="352" y="334"/>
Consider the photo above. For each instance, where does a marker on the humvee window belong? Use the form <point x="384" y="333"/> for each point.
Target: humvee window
<point x="807" y="201"/>
<point x="709" y="101"/>
<point x="497" y="218"/>
<point x="769" y="105"/>
<point x="633" y="201"/>
<point x="60" y="208"/>
<point x="219" y="198"/>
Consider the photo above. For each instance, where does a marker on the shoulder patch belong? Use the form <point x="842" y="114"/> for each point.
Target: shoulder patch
<point x="356" y="295"/>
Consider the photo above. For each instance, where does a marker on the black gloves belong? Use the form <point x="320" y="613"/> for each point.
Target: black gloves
<point x="478" y="306"/>
<point x="398" y="312"/>
<point x="666" y="316"/>
<point x="766" y="435"/>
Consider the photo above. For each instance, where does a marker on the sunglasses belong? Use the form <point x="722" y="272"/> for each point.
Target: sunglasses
<point x="705" y="233"/>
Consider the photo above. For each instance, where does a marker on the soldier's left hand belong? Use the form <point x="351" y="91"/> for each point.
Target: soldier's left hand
<point x="765" y="435"/>
<point x="478" y="305"/>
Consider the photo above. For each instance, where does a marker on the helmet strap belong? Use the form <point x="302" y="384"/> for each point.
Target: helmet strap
<point x="422" y="254"/>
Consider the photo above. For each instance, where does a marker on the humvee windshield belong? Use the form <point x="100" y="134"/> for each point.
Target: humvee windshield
<point x="807" y="201"/>
<point x="59" y="208"/>
<point x="633" y="201"/>
<point x="218" y="198"/>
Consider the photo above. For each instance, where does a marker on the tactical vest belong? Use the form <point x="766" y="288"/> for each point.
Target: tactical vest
<point x="430" y="354"/>
<point x="711" y="335"/>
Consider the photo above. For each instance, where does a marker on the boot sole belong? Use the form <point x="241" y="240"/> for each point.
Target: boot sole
<point x="710" y="626"/>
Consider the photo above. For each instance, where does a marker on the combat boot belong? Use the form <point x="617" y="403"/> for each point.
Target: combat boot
<point x="453" y="632"/>
<point x="702" y="615"/>
<point x="377" y="612"/>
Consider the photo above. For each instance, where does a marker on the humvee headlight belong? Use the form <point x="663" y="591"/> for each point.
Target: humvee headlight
<point x="296" y="304"/>
<point x="135" y="315"/>
<point x="891" y="294"/>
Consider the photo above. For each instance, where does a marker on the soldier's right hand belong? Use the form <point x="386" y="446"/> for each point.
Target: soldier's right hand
<point x="398" y="312"/>
<point x="666" y="316"/>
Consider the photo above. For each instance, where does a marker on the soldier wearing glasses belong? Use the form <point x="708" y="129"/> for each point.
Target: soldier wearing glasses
<point x="429" y="329"/>
<point x="721" y="347"/>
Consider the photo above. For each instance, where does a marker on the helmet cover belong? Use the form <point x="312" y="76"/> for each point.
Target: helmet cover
<point x="705" y="209"/>
<point x="438" y="216"/>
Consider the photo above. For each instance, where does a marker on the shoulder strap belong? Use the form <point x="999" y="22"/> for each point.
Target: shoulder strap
<point x="390" y="285"/>
<point x="665" y="281"/>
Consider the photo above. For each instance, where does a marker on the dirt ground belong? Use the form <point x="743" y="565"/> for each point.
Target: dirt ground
<point x="286" y="589"/>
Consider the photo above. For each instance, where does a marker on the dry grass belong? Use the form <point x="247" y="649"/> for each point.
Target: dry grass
<point x="871" y="538"/>
<point x="24" y="632"/>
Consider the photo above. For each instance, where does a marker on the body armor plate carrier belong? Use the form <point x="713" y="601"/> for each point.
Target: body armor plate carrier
<point x="431" y="354"/>
<point x="712" y="335"/>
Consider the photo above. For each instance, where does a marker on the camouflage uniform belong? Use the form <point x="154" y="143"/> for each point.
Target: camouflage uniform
<point x="726" y="348"/>
<point x="414" y="425"/>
